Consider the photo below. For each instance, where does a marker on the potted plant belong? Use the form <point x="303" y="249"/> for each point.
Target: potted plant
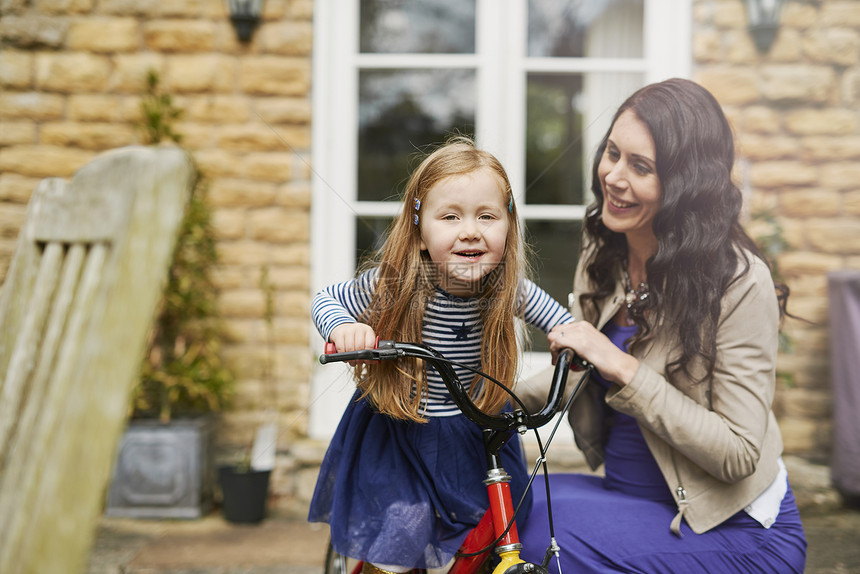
<point x="163" y="467"/>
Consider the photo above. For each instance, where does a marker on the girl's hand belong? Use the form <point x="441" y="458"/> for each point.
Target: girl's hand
<point x="586" y="341"/>
<point x="353" y="337"/>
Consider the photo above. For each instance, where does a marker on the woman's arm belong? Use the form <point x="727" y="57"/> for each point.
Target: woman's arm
<point x="723" y="430"/>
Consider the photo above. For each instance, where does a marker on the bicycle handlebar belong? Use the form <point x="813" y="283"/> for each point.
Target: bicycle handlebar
<point x="387" y="350"/>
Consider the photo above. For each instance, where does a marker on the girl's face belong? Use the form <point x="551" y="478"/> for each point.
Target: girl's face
<point x="464" y="229"/>
<point x="628" y="178"/>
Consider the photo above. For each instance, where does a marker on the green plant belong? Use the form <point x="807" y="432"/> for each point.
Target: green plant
<point x="182" y="372"/>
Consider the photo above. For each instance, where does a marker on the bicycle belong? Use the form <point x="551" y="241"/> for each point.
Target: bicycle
<point x="497" y="529"/>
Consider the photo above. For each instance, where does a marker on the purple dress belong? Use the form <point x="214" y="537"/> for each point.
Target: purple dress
<point x="619" y="522"/>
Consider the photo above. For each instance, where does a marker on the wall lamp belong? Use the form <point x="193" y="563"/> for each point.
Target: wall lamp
<point x="245" y="16"/>
<point x="763" y="22"/>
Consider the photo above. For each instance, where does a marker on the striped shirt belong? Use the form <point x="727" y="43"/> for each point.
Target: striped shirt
<point x="452" y="325"/>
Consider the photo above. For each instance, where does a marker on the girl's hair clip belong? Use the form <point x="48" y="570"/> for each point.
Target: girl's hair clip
<point x="415" y="219"/>
<point x="511" y="203"/>
<point x="417" y="207"/>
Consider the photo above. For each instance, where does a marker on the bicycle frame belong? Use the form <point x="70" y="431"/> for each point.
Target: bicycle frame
<point x="498" y="524"/>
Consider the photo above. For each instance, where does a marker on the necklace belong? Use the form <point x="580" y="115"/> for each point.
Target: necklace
<point x="633" y="295"/>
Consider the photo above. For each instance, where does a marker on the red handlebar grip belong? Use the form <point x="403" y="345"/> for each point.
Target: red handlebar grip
<point x="330" y="348"/>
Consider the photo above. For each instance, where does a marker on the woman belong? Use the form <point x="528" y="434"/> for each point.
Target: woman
<point x="680" y="318"/>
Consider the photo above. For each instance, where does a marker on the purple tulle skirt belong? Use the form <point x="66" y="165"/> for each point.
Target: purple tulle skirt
<point x="403" y="493"/>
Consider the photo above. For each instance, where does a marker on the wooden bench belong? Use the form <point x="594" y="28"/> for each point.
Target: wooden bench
<point x="75" y="311"/>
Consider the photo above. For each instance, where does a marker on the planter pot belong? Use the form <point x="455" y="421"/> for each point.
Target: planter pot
<point x="244" y="494"/>
<point x="163" y="470"/>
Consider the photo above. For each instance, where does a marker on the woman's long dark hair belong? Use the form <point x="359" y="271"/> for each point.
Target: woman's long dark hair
<point x="701" y="243"/>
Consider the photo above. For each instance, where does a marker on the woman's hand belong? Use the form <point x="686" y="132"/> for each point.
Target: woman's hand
<point x="590" y="344"/>
<point x="353" y="337"/>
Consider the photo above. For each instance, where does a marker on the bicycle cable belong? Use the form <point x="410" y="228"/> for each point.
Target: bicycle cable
<point x="541" y="461"/>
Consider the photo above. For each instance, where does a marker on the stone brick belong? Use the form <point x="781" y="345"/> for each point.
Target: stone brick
<point x="760" y="119"/>
<point x="729" y="15"/>
<point x="179" y="36"/>
<point x="292" y="331"/>
<point x="17" y="188"/>
<point x="7" y="250"/>
<point x="217" y="163"/>
<point x="267" y="166"/>
<point x="11" y="219"/>
<point x="43" y="161"/>
<point x="148" y="8"/>
<point x="276" y="225"/>
<point x="826" y="121"/>
<point x="831" y="148"/>
<point x="284" y="110"/>
<point x="199" y="73"/>
<point x="131" y="70"/>
<point x="806" y="403"/>
<point x="300" y="9"/>
<point x="30" y="105"/>
<point x="797" y="15"/>
<point x="218" y="109"/>
<point x="812" y="285"/>
<point x="797" y="83"/>
<point x="758" y="148"/>
<point x="810" y="203"/>
<point x="851" y="202"/>
<point x="795" y="263"/>
<point x="291" y="254"/>
<point x="838" y="236"/>
<point x="295" y="195"/>
<point x="286" y="38"/>
<point x="60" y="7"/>
<point x="740" y="47"/>
<point x="16" y="69"/>
<point x="840" y="14"/>
<point x="798" y="434"/>
<point x="241" y="193"/>
<point x="731" y="86"/>
<point x="852" y="262"/>
<point x="243" y="253"/>
<point x="94" y="136"/>
<point x="103" y="35"/>
<point x="33" y="32"/>
<point x="293" y="277"/>
<point x="707" y="46"/>
<point x="794" y="233"/>
<point x="228" y="224"/>
<point x="841" y="175"/>
<point x="245" y="303"/>
<point x="196" y="136"/>
<point x="851" y="86"/>
<point x="293" y="304"/>
<point x="812" y="338"/>
<point x="17" y="133"/>
<point x="839" y="47"/>
<point x="252" y="137"/>
<point x="199" y="9"/>
<point x="786" y="46"/>
<point x="93" y="108"/>
<point x="782" y="173"/>
<point x="72" y="72"/>
<point x="276" y="76"/>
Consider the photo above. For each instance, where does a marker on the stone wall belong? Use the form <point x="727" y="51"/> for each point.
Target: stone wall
<point x="71" y="76"/>
<point x="796" y="115"/>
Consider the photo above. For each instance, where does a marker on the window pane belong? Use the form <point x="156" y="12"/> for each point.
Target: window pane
<point x="400" y="113"/>
<point x="585" y="28"/>
<point x="566" y="115"/>
<point x="556" y="245"/>
<point x="428" y="26"/>
<point x="369" y="236"/>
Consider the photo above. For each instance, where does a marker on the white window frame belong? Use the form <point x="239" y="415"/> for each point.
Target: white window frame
<point x="500" y="128"/>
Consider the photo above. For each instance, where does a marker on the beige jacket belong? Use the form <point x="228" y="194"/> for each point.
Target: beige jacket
<point x="716" y="442"/>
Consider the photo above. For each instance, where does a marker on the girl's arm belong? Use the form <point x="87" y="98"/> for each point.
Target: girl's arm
<point x="342" y="303"/>
<point x="541" y="310"/>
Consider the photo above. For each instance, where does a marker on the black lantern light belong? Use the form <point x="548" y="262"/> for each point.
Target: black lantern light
<point x="763" y="22"/>
<point x="245" y="15"/>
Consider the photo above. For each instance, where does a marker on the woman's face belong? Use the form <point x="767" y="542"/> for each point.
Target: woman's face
<point x="628" y="178"/>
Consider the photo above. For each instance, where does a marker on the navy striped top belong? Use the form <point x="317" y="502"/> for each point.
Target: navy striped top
<point x="452" y="325"/>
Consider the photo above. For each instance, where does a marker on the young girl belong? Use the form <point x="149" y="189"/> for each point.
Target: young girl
<point x="401" y="482"/>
